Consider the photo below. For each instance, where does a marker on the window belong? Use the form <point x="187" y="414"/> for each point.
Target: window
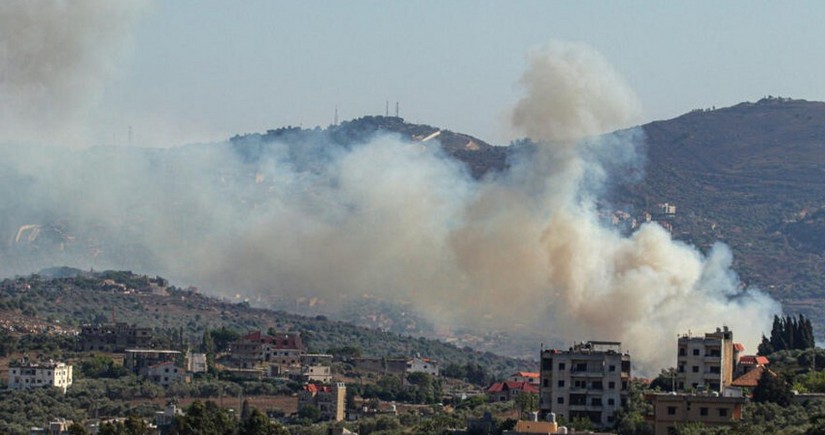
<point x="715" y="369"/>
<point x="597" y="385"/>
<point x="561" y="384"/>
<point x="547" y="364"/>
<point x="612" y="368"/>
<point x="560" y="400"/>
<point x="624" y="385"/>
<point x="611" y="385"/>
<point x="561" y="366"/>
<point x="547" y="383"/>
<point x="596" y="401"/>
<point x="671" y="410"/>
<point x="682" y="351"/>
<point x="695" y="352"/>
<point x="611" y="402"/>
<point x="723" y="412"/>
<point x="695" y="369"/>
<point x="581" y="367"/>
<point x="703" y="411"/>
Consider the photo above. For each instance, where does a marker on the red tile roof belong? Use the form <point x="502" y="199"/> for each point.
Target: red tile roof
<point x="753" y="360"/>
<point x="751" y="378"/>
<point x="511" y="385"/>
<point x="739" y="347"/>
<point x="527" y="374"/>
<point x="313" y="388"/>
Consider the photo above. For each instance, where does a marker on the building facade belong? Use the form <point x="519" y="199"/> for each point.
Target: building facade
<point x="114" y="337"/>
<point x="672" y="410"/>
<point x="26" y="375"/>
<point x="329" y="399"/>
<point x="255" y="349"/>
<point x="590" y="380"/>
<point x="705" y="363"/>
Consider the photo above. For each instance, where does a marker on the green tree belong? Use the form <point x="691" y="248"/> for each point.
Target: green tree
<point x="771" y="388"/>
<point x="527" y="402"/>
<point x="259" y="424"/>
<point x="310" y="413"/>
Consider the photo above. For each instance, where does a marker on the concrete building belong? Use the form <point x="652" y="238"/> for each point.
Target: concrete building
<point x="590" y="380"/>
<point x="422" y="365"/>
<point x="671" y="410"/>
<point x="329" y="399"/>
<point x="114" y="337"/>
<point x="196" y="363"/>
<point x="255" y="349"/>
<point x="24" y="375"/>
<point x="138" y="360"/>
<point x="164" y="373"/>
<point x="529" y="377"/>
<point x="705" y="363"/>
<point x="508" y="390"/>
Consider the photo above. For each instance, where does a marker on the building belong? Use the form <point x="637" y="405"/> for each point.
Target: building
<point x="748" y="363"/>
<point x="329" y="399"/>
<point x="422" y="365"/>
<point x="114" y="337"/>
<point x="24" y="375"/>
<point x="705" y="363"/>
<point x="529" y="377"/>
<point x="196" y="363"/>
<point x="590" y="380"/>
<point x="508" y="390"/>
<point x="255" y="349"/>
<point x="165" y="374"/>
<point x="671" y="410"/>
<point x="138" y="360"/>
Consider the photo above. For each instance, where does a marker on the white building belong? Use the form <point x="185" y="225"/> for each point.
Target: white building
<point x="26" y="375"/>
<point x="590" y="380"/>
<point x="165" y="373"/>
<point x="196" y="363"/>
<point x="422" y="365"/>
<point x="706" y="362"/>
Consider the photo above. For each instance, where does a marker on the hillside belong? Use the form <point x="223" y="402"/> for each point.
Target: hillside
<point x="753" y="176"/>
<point x="44" y="305"/>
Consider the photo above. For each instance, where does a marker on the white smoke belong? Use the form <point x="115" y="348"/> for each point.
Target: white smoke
<point x="523" y="249"/>
<point x="56" y="57"/>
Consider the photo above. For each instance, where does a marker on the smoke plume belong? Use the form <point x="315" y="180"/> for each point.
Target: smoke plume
<point x="55" y="59"/>
<point x="524" y="249"/>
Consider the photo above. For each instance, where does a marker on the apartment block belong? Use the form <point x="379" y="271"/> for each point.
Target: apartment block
<point x="329" y="399"/>
<point x="24" y="375"/>
<point x="590" y="380"/>
<point x="706" y="363"/>
<point x="671" y="410"/>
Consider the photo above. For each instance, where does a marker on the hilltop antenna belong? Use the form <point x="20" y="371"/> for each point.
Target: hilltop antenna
<point x="396" y="109"/>
<point x="336" y="115"/>
<point x="387" y="109"/>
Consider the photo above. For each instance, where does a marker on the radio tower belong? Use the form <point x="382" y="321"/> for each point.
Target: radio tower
<point x="336" y="115"/>
<point x="387" y="109"/>
<point x="396" y="109"/>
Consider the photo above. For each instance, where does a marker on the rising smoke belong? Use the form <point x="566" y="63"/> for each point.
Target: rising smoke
<point x="524" y="248"/>
<point x="55" y="58"/>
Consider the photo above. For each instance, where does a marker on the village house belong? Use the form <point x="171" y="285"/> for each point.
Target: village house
<point x="329" y="399"/>
<point x="165" y="374"/>
<point x="138" y="360"/>
<point x="114" y="337"/>
<point x="256" y="349"/>
<point x="590" y="380"/>
<point x="529" y="377"/>
<point x="196" y="363"/>
<point x="24" y="375"/>
<point x="508" y="390"/>
<point x="673" y="409"/>
<point x="417" y="364"/>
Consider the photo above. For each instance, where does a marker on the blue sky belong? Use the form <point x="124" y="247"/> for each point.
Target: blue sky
<point x="207" y="69"/>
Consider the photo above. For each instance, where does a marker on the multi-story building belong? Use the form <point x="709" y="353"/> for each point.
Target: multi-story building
<point x="114" y="337"/>
<point x="24" y="375"/>
<point x="529" y="377"/>
<point x="706" y="362"/>
<point x="590" y="380"/>
<point x="196" y="363"/>
<point x="164" y="373"/>
<point x="329" y="399"/>
<point x="422" y="365"/>
<point x="671" y="410"/>
<point x="255" y="349"/>
<point x="138" y="360"/>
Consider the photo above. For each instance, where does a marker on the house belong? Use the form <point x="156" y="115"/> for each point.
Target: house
<point x="590" y="380"/>
<point x="529" y="377"/>
<point x="705" y="362"/>
<point x="422" y="365"/>
<point x="508" y="390"/>
<point x="138" y="360"/>
<point x="751" y="378"/>
<point x="255" y="348"/>
<point x="24" y="375"/>
<point x="672" y="409"/>
<point x="114" y="337"/>
<point x="165" y="374"/>
<point x="329" y="399"/>
<point x="747" y="363"/>
<point x="196" y="363"/>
